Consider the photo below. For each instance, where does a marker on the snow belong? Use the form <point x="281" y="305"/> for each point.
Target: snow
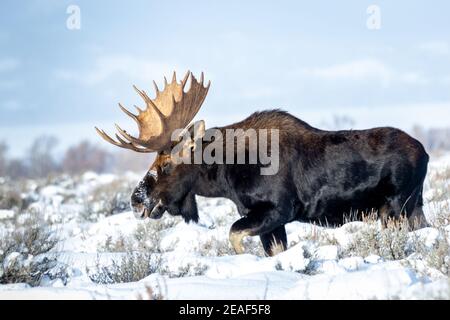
<point x="6" y="214"/>
<point x="327" y="253"/>
<point x="11" y="259"/>
<point x="315" y="266"/>
<point x="384" y="281"/>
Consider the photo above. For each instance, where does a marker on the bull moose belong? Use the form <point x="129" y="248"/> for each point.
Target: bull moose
<point x="322" y="175"/>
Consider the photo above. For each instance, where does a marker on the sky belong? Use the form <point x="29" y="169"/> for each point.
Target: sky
<point x="315" y="59"/>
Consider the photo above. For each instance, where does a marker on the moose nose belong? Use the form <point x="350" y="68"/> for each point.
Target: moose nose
<point x="140" y="212"/>
<point x="143" y="209"/>
<point x="141" y="202"/>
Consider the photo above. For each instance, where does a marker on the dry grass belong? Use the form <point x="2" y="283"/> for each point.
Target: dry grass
<point x="188" y="270"/>
<point x="437" y="256"/>
<point x="216" y="247"/>
<point x="121" y="244"/>
<point x="389" y="242"/>
<point x="438" y="200"/>
<point x="439" y="181"/>
<point x="150" y="294"/>
<point x="320" y="236"/>
<point x="253" y="246"/>
<point x="440" y="212"/>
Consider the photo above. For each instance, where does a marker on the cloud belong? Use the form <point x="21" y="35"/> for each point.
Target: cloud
<point x="366" y="69"/>
<point x="108" y="67"/>
<point x="435" y="47"/>
<point x="8" y="64"/>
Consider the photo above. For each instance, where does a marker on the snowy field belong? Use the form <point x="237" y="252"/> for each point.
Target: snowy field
<point x="75" y="238"/>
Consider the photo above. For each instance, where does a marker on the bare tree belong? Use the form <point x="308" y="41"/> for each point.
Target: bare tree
<point x="17" y="169"/>
<point x="40" y="157"/>
<point x="3" y="161"/>
<point x="339" y="122"/>
<point x="132" y="161"/>
<point x="84" y="157"/>
<point x="434" y="139"/>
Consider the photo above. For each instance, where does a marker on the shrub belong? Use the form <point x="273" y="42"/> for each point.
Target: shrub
<point x="216" y="247"/>
<point x="438" y="182"/>
<point x="24" y="254"/>
<point x="320" y="236"/>
<point x="121" y="244"/>
<point x="108" y="199"/>
<point x="10" y="197"/>
<point x="150" y="294"/>
<point x="188" y="270"/>
<point x="439" y="256"/>
<point x="134" y="266"/>
<point x="142" y="254"/>
<point x="436" y="256"/>
<point x="388" y="242"/>
<point x="148" y="234"/>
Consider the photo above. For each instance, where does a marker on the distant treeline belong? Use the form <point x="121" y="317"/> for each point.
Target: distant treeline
<point x="433" y="139"/>
<point x="40" y="160"/>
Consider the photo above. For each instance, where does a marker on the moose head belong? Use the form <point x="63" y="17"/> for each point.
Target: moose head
<point x="162" y="126"/>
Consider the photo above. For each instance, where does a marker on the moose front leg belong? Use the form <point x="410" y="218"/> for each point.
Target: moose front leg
<point x="268" y="224"/>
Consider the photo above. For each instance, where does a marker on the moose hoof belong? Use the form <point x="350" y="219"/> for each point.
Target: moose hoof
<point x="236" y="238"/>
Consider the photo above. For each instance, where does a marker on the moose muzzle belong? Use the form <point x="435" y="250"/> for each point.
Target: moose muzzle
<point x="144" y="206"/>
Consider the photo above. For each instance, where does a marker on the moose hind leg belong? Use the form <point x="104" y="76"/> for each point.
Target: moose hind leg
<point x="257" y="223"/>
<point x="404" y="206"/>
<point x="275" y="241"/>
<point x="418" y="220"/>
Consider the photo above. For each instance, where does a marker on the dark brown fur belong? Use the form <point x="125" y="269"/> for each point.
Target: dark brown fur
<point x="324" y="176"/>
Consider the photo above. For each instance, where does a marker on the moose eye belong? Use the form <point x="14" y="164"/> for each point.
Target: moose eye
<point x="165" y="167"/>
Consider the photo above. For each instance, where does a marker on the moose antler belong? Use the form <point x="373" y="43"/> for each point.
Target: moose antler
<point x="171" y="109"/>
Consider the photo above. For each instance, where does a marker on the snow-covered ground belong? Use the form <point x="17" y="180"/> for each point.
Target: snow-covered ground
<point x="98" y="250"/>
